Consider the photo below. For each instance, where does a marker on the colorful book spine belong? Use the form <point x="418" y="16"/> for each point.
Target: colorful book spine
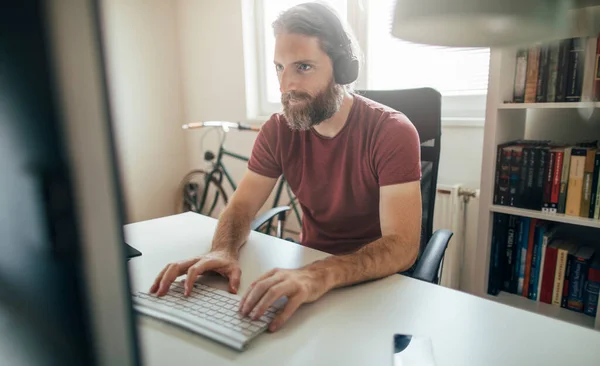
<point x="588" y="173"/>
<point x="556" y="175"/>
<point x="575" y="186"/>
<point x="579" y="271"/>
<point x="520" y="76"/>
<point x="542" y="81"/>
<point x="596" y="85"/>
<point x="529" y="256"/>
<point x="533" y="66"/>
<point x="592" y="288"/>
<point x="595" y="178"/>
<point x="559" y="275"/>
<point x="552" y="72"/>
<point x="523" y="240"/>
<point x="575" y="75"/>
<point x="564" y="180"/>
<point x="548" y="273"/>
<point x="509" y="271"/>
<point x="563" y="70"/>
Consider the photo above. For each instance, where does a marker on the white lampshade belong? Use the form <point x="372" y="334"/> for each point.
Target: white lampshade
<point x="480" y="23"/>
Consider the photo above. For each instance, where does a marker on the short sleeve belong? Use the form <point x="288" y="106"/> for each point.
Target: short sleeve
<point x="397" y="151"/>
<point x="263" y="159"/>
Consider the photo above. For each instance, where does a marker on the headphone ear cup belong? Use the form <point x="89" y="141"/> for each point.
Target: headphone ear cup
<point x="345" y="70"/>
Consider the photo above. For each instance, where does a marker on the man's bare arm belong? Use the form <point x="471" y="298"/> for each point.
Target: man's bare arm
<point x="232" y="230"/>
<point x="397" y="249"/>
<point x="233" y="227"/>
<point x="400" y="217"/>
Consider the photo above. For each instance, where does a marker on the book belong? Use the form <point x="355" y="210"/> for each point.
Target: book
<point x="497" y="249"/>
<point x="556" y="176"/>
<point x="562" y="70"/>
<point x="501" y="172"/>
<point x="548" y="235"/>
<point x="575" y="185"/>
<point x="504" y="181"/>
<point x="516" y="154"/>
<point x="548" y="272"/>
<point x="575" y="70"/>
<point x="597" y="208"/>
<point x="529" y="256"/>
<point x="552" y="71"/>
<point x="540" y="173"/>
<point x="564" y="180"/>
<point x="509" y="278"/>
<point x="595" y="178"/>
<point x="523" y="243"/>
<point x="559" y="274"/>
<point x="578" y="277"/>
<point x="523" y="201"/>
<point x="529" y="198"/>
<point x="549" y="175"/>
<point x="588" y="173"/>
<point x="520" y="76"/>
<point x="571" y="251"/>
<point x="542" y="81"/>
<point x="596" y="85"/>
<point x="592" y="288"/>
<point x="533" y="65"/>
<point x="540" y="232"/>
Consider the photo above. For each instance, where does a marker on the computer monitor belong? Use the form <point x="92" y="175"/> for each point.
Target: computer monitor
<point x="64" y="288"/>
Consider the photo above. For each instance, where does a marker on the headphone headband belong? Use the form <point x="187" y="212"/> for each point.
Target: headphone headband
<point x="346" y="66"/>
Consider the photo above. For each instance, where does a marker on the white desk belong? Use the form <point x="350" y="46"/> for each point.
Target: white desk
<point x="350" y="326"/>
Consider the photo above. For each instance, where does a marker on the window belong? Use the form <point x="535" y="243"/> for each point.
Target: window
<point x="459" y="74"/>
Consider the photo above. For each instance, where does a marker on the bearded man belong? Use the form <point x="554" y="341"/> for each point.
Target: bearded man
<point x="353" y="164"/>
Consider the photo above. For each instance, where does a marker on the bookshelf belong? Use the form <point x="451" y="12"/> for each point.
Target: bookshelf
<point x="506" y="121"/>
<point x="554" y="217"/>
<point x="549" y="105"/>
<point x="544" y="309"/>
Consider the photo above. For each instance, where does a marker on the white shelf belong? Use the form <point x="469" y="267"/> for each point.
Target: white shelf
<point x="574" y="220"/>
<point x="553" y="311"/>
<point x="573" y="105"/>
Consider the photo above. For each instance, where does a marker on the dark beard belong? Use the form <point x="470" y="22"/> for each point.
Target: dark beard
<point x="311" y="111"/>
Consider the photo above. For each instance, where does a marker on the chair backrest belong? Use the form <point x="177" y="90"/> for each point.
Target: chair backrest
<point x="423" y="106"/>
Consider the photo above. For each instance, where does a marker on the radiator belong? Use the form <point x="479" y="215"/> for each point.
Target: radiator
<point x="452" y="203"/>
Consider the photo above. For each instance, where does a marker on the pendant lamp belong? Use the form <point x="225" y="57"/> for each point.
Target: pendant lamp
<point x="480" y="23"/>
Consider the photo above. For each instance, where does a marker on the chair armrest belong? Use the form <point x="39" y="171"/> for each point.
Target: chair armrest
<point x="263" y="218"/>
<point x="429" y="263"/>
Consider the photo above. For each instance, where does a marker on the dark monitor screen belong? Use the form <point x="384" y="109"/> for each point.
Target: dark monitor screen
<point x="45" y="316"/>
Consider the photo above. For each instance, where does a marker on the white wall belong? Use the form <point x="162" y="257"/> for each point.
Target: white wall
<point x="143" y="62"/>
<point x="461" y="153"/>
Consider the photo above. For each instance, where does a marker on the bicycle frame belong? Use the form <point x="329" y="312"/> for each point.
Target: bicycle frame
<point x="219" y="170"/>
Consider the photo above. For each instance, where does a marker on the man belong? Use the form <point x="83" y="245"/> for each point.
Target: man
<point x="353" y="164"/>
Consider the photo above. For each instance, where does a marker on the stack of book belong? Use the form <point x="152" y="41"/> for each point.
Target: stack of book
<point x="554" y="72"/>
<point x="550" y="177"/>
<point x="528" y="258"/>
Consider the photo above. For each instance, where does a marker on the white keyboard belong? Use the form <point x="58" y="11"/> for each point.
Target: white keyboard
<point x="208" y="311"/>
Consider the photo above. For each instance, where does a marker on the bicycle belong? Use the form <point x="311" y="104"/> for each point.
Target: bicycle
<point x="203" y="192"/>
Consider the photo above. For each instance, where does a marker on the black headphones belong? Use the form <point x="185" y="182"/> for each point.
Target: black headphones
<point x="345" y="67"/>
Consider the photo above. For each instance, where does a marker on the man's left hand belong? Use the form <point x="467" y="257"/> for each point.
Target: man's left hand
<point x="299" y="285"/>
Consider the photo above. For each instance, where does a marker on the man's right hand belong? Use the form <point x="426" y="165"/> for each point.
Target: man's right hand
<point x="215" y="261"/>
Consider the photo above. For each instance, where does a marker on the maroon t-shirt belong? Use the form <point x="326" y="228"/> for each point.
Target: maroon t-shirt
<point x="337" y="179"/>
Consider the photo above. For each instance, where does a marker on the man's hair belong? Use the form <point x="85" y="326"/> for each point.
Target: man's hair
<point x="302" y="19"/>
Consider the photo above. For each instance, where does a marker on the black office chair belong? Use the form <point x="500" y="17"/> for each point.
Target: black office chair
<point x="423" y="107"/>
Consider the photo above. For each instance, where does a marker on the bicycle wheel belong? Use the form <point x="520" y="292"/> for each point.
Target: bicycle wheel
<point x="201" y="192"/>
